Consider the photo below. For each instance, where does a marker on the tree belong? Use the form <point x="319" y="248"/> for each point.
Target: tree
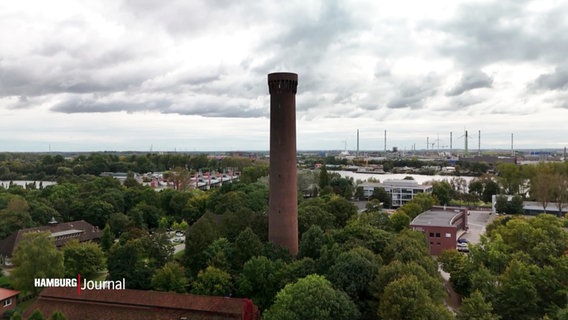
<point x="412" y="209"/>
<point x="200" y="235"/>
<point x="542" y="187"/>
<point x="128" y="261"/>
<point x="259" y="280"/>
<point x="107" y="238"/>
<point x="97" y="212"/>
<point x="14" y="216"/>
<point x="15" y="316"/>
<point x="170" y="277"/>
<point x="442" y="190"/>
<point x="312" y="297"/>
<point x="247" y="245"/>
<point x="57" y="315"/>
<point x="84" y="258"/>
<point x="341" y="208"/>
<point x="399" y="221"/>
<point x="212" y="282"/>
<point x="314" y="215"/>
<point x="517" y="285"/>
<point x="510" y="177"/>
<point x="36" y="257"/>
<point x="36" y="315"/>
<point x="323" y="177"/>
<point x="515" y="206"/>
<point x="476" y="308"/>
<point x="219" y="254"/>
<point x="501" y="204"/>
<point x="406" y="299"/>
<point x="311" y="242"/>
<point x="383" y="196"/>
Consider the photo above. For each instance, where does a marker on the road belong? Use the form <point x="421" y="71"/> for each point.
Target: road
<point x="477" y="220"/>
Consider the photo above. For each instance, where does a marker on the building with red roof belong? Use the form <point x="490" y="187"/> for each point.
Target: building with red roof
<point x="140" y="305"/>
<point x="8" y="299"/>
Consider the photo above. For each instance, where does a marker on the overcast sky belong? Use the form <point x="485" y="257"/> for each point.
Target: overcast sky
<point x="190" y="75"/>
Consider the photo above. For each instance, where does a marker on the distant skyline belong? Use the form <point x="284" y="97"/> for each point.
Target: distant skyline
<point x="137" y="75"/>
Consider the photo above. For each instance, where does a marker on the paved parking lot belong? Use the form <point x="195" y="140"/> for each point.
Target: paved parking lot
<point x="477" y="220"/>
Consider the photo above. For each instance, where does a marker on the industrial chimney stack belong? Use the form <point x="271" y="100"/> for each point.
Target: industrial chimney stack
<point x="283" y="202"/>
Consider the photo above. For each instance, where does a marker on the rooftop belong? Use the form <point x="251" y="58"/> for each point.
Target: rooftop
<point x="6" y="293"/>
<point x="141" y="305"/>
<point x="436" y="218"/>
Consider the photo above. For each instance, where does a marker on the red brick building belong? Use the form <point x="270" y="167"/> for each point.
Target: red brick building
<point x="441" y="226"/>
<point x="140" y="305"/>
<point x="8" y="300"/>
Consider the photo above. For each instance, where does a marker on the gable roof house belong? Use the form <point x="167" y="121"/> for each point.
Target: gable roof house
<point x="8" y="299"/>
<point x="131" y="304"/>
<point x="61" y="232"/>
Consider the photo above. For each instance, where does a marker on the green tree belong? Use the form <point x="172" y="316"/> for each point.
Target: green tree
<point x="442" y="190"/>
<point x="107" y="238"/>
<point x="247" y="245"/>
<point x="476" y="308"/>
<point x="383" y="196"/>
<point x="517" y="285"/>
<point x="312" y="297"/>
<point x="311" y="242"/>
<point x="15" y="316"/>
<point x="84" y="258"/>
<point x="259" y="280"/>
<point x="219" y="254"/>
<point x="14" y="216"/>
<point x="310" y="214"/>
<point x="36" y="257"/>
<point x="212" y="282"/>
<point x="97" y="212"/>
<point x="199" y="236"/>
<point x="57" y="315"/>
<point x="36" y="315"/>
<point x="399" y="221"/>
<point x="406" y="299"/>
<point x="170" y="277"/>
<point x="129" y="262"/>
<point x="412" y="209"/>
<point x="341" y="208"/>
<point x="323" y="177"/>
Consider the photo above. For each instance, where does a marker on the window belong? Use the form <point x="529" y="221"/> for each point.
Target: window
<point x="448" y="235"/>
<point x="431" y="234"/>
<point x="7" y="302"/>
<point x="437" y="234"/>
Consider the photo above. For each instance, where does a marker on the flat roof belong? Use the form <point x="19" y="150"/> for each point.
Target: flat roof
<point x="436" y="218"/>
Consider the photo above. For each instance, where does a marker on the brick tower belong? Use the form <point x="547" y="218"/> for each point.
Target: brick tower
<point x="283" y="212"/>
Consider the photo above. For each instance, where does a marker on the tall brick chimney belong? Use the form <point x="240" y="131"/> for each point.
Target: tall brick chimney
<point x="283" y="212"/>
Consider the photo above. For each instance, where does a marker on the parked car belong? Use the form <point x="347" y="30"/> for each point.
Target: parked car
<point x="463" y="249"/>
<point x="460" y="240"/>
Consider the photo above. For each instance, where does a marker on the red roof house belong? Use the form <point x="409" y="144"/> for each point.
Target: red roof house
<point x="140" y="305"/>
<point x="8" y="299"/>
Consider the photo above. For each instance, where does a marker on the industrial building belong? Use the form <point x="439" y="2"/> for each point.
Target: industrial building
<point x="441" y="226"/>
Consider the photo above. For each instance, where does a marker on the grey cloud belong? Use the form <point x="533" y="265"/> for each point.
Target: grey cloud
<point x="558" y="80"/>
<point x="469" y="81"/>
<point x="413" y="93"/>
<point x="490" y="32"/>
<point x="204" y="106"/>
